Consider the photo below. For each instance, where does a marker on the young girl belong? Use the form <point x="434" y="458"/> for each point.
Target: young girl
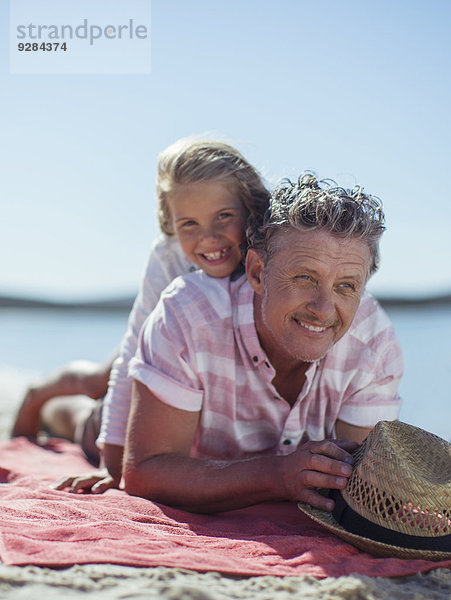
<point x="206" y="192"/>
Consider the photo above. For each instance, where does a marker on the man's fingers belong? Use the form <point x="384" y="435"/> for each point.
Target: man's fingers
<point x="312" y="497"/>
<point x="319" y="480"/>
<point x="337" y="449"/>
<point x="325" y="464"/>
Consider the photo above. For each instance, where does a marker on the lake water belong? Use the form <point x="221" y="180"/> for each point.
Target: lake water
<point x="42" y="340"/>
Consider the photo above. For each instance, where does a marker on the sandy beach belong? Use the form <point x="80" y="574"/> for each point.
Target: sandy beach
<point x="112" y="581"/>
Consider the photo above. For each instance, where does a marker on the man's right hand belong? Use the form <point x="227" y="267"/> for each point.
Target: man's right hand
<point x="317" y="465"/>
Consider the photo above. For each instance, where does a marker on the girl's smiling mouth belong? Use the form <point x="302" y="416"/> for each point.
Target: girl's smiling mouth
<point x="216" y="255"/>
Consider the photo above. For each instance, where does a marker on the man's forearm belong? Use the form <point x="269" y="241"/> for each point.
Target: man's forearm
<point x="206" y="485"/>
<point x="157" y="465"/>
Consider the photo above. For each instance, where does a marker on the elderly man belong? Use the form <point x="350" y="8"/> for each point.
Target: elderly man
<point x="240" y="384"/>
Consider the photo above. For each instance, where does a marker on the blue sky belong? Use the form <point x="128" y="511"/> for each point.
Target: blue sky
<point x="355" y="90"/>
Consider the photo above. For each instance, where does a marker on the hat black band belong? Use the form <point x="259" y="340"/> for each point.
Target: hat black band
<point x="355" y="523"/>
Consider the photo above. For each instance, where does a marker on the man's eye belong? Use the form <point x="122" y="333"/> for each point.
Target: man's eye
<point x="303" y="277"/>
<point x="347" y="286"/>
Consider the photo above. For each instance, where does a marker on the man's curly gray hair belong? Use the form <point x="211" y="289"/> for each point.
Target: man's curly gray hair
<point x="312" y="204"/>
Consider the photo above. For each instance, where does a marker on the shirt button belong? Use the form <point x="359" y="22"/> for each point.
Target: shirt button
<point x="287" y="442"/>
<point x="255" y="358"/>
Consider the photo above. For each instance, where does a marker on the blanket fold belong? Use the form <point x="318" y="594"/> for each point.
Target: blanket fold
<point x="46" y="527"/>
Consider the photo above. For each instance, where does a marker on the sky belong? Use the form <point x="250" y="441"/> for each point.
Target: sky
<point x="358" y="91"/>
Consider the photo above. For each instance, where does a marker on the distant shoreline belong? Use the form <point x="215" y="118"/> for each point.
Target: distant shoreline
<point x="113" y="304"/>
<point x="122" y="304"/>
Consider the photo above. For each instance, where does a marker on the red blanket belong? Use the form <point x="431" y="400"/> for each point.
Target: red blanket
<point x="45" y="527"/>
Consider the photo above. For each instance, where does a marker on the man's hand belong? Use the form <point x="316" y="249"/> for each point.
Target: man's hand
<point x="95" y="482"/>
<point x="317" y="465"/>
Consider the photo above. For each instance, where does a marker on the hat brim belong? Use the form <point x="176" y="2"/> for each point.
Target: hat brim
<point x="327" y="520"/>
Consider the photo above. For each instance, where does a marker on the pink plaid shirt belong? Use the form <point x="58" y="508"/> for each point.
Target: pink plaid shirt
<point x="199" y="351"/>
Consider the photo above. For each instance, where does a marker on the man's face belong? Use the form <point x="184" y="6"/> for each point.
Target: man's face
<point x="308" y="294"/>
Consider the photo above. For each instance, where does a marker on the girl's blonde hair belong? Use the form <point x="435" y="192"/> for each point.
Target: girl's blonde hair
<point x="194" y="160"/>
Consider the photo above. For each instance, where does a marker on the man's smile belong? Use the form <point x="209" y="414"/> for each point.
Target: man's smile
<point x="318" y="329"/>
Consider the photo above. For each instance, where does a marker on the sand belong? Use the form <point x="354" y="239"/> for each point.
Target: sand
<point x="112" y="581"/>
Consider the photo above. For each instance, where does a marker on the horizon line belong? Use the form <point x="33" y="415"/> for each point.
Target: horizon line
<point x="125" y="302"/>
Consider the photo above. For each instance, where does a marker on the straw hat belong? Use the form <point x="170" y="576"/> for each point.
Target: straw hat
<point x="398" y="498"/>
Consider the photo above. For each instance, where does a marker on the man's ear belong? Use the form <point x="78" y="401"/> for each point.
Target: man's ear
<point x="255" y="271"/>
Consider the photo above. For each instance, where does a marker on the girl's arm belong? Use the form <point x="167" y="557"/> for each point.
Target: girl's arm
<point x="166" y="261"/>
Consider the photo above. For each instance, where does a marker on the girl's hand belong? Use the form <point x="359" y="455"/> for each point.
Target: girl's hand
<point x="96" y="482"/>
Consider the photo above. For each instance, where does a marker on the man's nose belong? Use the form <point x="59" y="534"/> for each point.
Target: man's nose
<point x="321" y="304"/>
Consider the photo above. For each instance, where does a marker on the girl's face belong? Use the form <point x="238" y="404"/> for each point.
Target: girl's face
<point x="209" y="220"/>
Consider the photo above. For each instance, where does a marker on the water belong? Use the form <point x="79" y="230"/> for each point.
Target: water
<point x="41" y="341"/>
<point x="425" y="336"/>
